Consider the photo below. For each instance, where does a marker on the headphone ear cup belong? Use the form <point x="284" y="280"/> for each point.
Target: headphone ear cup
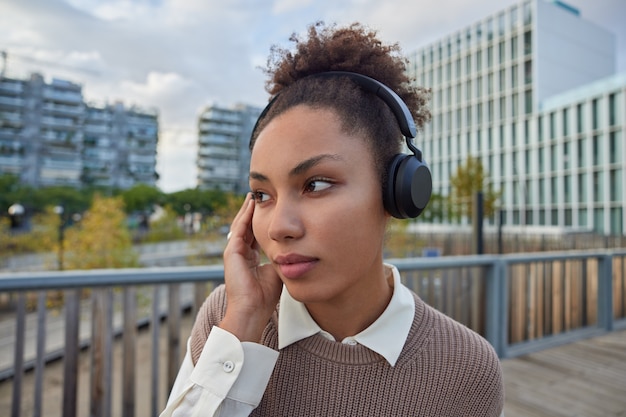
<point x="389" y="191"/>
<point x="409" y="186"/>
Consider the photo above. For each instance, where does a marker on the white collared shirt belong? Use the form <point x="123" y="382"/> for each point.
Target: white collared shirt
<point x="230" y="377"/>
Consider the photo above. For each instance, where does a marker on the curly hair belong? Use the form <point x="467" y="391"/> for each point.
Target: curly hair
<point x="354" y="48"/>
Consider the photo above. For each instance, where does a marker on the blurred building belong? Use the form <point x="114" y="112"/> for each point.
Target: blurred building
<point x="532" y="92"/>
<point x="223" y="154"/>
<point x="50" y="136"/>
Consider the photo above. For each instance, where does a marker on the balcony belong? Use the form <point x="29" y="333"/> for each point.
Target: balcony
<point x="59" y="96"/>
<point x="521" y="303"/>
<point x="11" y="102"/>
<point x="63" y="109"/>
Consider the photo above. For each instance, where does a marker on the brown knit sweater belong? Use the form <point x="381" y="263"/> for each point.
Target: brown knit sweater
<point x="445" y="369"/>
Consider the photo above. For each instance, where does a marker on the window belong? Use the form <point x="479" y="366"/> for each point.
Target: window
<point x="514" y="76"/>
<point x="501" y="52"/>
<point x="479" y="60"/>
<point x="566" y="157"/>
<point x="528" y="101"/>
<point x="552" y="125"/>
<point x="540" y="129"/>
<point x="595" y="116"/>
<point x="490" y="83"/>
<point x="527" y="13"/>
<point x="617" y="227"/>
<point x="580" y="118"/>
<point x="528" y="72"/>
<point x="501" y="80"/>
<point x="527" y="161"/>
<point x="597" y="150"/>
<point x="582" y="188"/>
<point x="613" y="110"/>
<point x="565" y="122"/>
<point x="514" y="134"/>
<point x="581" y="152"/>
<point x="582" y="217"/>
<point x="598" y="220"/>
<point x="514" y="105"/>
<point x="528" y="43"/>
<point x="553" y="158"/>
<point x="479" y="87"/>
<point x="514" y="17"/>
<point x="615" y="147"/>
<point x="526" y="131"/>
<point x="490" y="113"/>
<point x="514" y="47"/>
<point x="615" y="186"/>
<point x="501" y="24"/>
<point x="567" y="195"/>
<point x="489" y="29"/>
<point x="542" y="152"/>
<point x="597" y="187"/>
<point x="489" y="56"/>
<point x="502" y="108"/>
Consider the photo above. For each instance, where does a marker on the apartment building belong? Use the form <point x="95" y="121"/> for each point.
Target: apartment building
<point x="532" y="92"/>
<point x="223" y="155"/>
<point x="50" y="136"/>
<point x="120" y="146"/>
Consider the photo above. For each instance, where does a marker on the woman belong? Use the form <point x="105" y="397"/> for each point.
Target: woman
<point x="325" y="327"/>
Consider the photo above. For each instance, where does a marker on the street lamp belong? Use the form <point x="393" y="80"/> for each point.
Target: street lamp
<point x="59" y="210"/>
<point x="16" y="211"/>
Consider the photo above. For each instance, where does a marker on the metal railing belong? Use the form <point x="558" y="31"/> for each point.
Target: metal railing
<point x="520" y="303"/>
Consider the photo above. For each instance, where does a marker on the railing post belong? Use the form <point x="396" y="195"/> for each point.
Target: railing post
<point x="70" y="357"/>
<point x="18" y="364"/>
<point x="129" y="356"/>
<point x="496" y="299"/>
<point x="605" y="292"/>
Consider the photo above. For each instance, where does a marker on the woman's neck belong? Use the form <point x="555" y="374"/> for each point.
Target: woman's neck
<point x="356" y="311"/>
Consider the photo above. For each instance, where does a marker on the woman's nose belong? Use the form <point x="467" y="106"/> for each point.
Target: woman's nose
<point x="285" y="221"/>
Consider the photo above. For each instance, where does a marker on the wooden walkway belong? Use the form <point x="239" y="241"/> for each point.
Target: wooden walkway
<point x="582" y="379"/>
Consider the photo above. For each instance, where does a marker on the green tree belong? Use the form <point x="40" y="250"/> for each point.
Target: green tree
<point x="101" y="239"/>
<point x="141" y="198"/>
<point x="468" y="179"/>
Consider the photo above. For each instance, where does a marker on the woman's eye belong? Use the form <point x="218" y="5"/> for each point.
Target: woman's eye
<point x="260" y="196"/>
<point x="317" y="186"/>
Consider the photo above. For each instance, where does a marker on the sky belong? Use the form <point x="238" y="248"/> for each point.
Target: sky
<point x="179" y="56"/>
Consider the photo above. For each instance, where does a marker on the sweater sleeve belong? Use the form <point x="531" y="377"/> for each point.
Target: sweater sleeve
<point x="227" y="377"/>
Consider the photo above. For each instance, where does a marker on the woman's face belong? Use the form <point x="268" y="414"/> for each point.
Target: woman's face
<point x="318" y="213"/>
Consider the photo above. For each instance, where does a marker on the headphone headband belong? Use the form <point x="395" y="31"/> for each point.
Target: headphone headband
<point x="409" y="182"/>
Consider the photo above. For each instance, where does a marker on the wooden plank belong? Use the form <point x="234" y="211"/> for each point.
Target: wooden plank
<point x="585" y="378"/>
<point x="129" y="351"/>
<point x="41" y="351"/>
<point x="173" y="334"/>
<point x="155" y="325"/>
<point x="72" y="350"/>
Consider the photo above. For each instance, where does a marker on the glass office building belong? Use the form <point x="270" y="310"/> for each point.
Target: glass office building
<point x="532" y="92"/>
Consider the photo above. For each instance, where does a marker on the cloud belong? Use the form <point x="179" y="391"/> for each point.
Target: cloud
<point x="179" y="55"/>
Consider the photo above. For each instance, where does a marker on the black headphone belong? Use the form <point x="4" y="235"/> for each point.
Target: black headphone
<point x="409" y="182"/>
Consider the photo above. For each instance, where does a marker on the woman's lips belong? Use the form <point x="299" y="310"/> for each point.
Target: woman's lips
<point x="293" y="266"/>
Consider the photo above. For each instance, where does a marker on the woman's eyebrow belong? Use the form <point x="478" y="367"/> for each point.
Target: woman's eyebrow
<point x="311" y="162"/>
<point x="301" y="167"/>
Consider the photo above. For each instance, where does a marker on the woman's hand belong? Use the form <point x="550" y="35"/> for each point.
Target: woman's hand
<point x="252" y="290"/>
